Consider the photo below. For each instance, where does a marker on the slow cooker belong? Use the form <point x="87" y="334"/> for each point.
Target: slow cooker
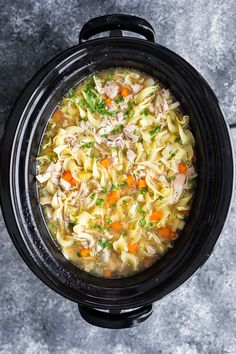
<point x="121" y="302"/>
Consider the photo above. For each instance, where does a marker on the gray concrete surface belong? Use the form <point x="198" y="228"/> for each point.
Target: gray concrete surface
<point x="199" y="317"/>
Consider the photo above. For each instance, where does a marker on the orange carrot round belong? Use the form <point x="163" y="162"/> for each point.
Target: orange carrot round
<point x="57" y="116"/>
<point x="141" y="184"/>
<point x="113" y="197"/>
<point x="85" y="252"/>
<point x="108" y="100"/>
<point x="67" y="176"/>
<point x="155" y="216"/>
<point x="105" y="163"/>
<point x="130" y="180"/>
<point x="133" y="248"/>
<point x="116" y="225"/>
<point x="166" y="232"/>
<point x="182" y="168"/>
<point x="125" y="91"/>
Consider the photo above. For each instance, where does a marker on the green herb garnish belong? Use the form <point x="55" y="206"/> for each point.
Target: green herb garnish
<point x="109" y="221"/>
<point x="118" y="129"/>
<point x="155" y="130"/>
<point x="78" y="254"/>
<point x="177" y="140"/>
<point x="103" y="244"/>
<point x="87" y="145"/>
<point x="142" y="222"/>
<point x="145" y="112"/>
<point x="101" y="227"/>
<point x="119" y="99"/>
<point x="149" y="226"/>
<point x="123" y="184"/>
<point x="99" y="201"/>
<point x="104" y="190"/>
<point x="113" y="186"/>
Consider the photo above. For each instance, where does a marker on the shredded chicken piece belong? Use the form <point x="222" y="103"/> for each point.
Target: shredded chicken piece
<point x="111" y="89"/>
<point x="136" y="88"/>
<point x="129" y="132"/>
<point x="131" y="155"/>
<point x="64" y="184"/>
<point x="178" y="188"/>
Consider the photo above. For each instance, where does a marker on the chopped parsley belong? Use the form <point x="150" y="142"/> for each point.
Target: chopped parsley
<point x="142" y="222"/>
<point x="172" y="178"/>
<point x="172" y="154"/>
<point x="87" y="145"/>
<point x="104" y="190"/>
<point x="123" y="184"/>
<point x="109" y="221"/>
<point x="113" y="186"/>
<point x="145" y="112"/>
<point x="99" y="201"/>
<point x="103" y="244"/>
<point x="149" y="226"/>
<point x="78" y="254"/>
<point x="119" y="99"/>
<point x="101" y="227"/>
<point x="118" y="129"/>
<point x="140" y="210"/>
<point x="143" y="190"/>
<point x="155" y="130"/>
<point x="177" y="140"/>
<point x="93" y="196"/>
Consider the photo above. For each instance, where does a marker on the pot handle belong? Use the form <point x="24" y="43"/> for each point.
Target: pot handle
<point x="114" y="319"/>
<point x="116" y="23"/>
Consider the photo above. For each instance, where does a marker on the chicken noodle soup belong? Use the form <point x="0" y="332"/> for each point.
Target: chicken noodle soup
<point x="116" y="172"/>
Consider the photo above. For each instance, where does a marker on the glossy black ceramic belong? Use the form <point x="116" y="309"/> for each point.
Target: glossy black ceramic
<point x="19" y="148"/>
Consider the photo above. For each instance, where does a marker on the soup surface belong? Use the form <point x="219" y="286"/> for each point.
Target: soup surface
<point x="116" y="172"/>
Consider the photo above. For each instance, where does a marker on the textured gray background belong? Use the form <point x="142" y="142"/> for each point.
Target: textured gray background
<point x="199" y="317"/>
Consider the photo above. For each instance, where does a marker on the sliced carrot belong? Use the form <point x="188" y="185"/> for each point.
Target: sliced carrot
<point x="130" y="180"/>
<point x="182" y="168"/>
<point x="105" y="163"/>
<point x="155" y="216"/>
<point x="125" y="91"/>
<point x="67" y="176"/>
<point x="141" y="184"/>
<point x="73" y="182"/>
<point x="113" y="197"/>
<point x="107" y="272"/>
<point x="116" y="225"/>
<point x="166" y="232"/>
<point x="57" y="116"/>
<point x="84" y="252"/>
<point x="108" y="100"/>
<point x="133" y="248"/>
